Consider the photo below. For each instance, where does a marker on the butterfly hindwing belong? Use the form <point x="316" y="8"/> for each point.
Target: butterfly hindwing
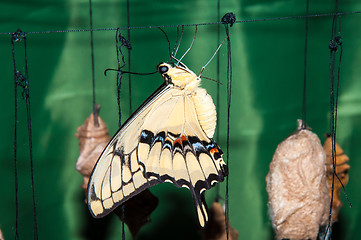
<point x="181" y="154"/>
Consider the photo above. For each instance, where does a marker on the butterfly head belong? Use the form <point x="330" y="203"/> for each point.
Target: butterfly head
<point x="180" y="76"/>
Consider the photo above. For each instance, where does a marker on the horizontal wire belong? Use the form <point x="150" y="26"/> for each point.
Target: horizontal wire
<point x="189" y="25"/>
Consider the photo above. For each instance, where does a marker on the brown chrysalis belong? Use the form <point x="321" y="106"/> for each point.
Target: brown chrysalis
<point x="342" y="171"/>
<point x="297" y="186"/>
<point x="93" y="138"/>
<point x="216" y="227"/>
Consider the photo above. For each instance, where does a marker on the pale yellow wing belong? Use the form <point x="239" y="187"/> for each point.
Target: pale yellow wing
<point x="175" y="149"/>
<point x="162" y="142"/>
<point x="117" y="175"/>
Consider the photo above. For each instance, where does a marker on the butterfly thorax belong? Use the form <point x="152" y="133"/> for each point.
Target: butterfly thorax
<point x="184" y="79"/>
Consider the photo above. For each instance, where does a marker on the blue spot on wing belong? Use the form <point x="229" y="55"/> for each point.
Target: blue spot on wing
<point x="146" y="137"/>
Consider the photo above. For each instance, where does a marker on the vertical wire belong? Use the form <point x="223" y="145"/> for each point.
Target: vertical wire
<point x="229" y="97"/>
<point x="15" y="141"/>
<point x="334" y="43"/>
<point x="336" y="103"/>
<point x="129" y="75"/>
<point x="119" y="73"/>
<point x="332" y="111"/>
<point x="333" y="116"/>
<point x="304" y="102"/>
<point x="123" y="221"/>
<point x="119" y="84"/>
<point x="218" y="87"/>
<point x="218" y="67"/>
<point x="119" y="42"/>
<point x="28" y="114"/>
<point x="130" y="100"/>
<point x="332" y="122"/>
<point x="92" y="61"/>
<point x="23" y="81"/>
<point x="228" y="18"/>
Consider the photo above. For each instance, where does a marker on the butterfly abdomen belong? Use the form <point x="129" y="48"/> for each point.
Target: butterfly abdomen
<point x="206" y="111"/>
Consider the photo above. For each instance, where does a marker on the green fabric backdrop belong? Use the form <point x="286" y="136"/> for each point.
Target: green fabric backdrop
<point x="266" y="101"/>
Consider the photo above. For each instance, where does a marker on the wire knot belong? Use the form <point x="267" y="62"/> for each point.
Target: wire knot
<point x="18" y="35"/>
<point x="21" y="81"/>
<point x="124" y="42"/>
<point x="334" y="43"/>
<point x="229" y="18"/>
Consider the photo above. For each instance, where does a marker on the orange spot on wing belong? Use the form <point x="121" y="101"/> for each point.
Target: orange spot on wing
<point x="213" y="150"/>
<point x="183" y="138"/>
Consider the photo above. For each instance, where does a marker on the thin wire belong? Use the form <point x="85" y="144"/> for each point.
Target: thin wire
<point x="333" y="119"/>
<point x="190" y="25"/>
<point x="130" y="103"/>
<point x="129" y="55"/>
<point x="229" y="97"/>
<point x="175" y="44"/>
<point x="304" y="102"/>
<point x="332" y="124"/>
<point x="120" y="41"/>
<point x="218" y="87"/>
<point x="123" y="221"/>
<point x="336" y="41"/>
<point x="119" y="38"/>
<point x="228" y="19"/>
<point x="336" y="104"/>
<point x="165" y="34"/>
<point x="28" y="114"/>
<point x="15" y="142"/>
<point x="23" y="81"/>
<point x="92" y="61"/>
<point x="119" y="73"/>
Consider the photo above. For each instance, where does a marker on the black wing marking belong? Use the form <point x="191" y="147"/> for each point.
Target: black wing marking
<point x="186" y="158"/>
<point x="117" y="175"/>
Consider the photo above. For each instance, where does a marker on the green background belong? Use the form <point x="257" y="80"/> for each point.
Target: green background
<point x="268" y="71"/>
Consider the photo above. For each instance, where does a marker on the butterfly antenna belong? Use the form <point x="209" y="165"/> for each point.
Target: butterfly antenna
<point x="194" y="37"/>
<point x="179" y="42"/>
<point x="121" y="71"/>
<point x="212" y="79"/>
<point x="214" y="54"/>
<point x="166" y="36"/>
<point x="176" y="40"/>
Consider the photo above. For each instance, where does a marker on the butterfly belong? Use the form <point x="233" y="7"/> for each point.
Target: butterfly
<point x="167" y="139"/>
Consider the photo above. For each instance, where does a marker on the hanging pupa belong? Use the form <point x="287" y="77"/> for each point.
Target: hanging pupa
<point x="341" y="169"/>
<point x="93" y="138"/>
<point x="297" y="186"/>
<point x="216" y="227"/>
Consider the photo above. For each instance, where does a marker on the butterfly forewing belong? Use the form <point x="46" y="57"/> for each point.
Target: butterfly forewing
<point x="119" y="162"/>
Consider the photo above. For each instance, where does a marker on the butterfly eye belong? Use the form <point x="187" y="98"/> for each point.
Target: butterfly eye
<point x="163" y="69"/>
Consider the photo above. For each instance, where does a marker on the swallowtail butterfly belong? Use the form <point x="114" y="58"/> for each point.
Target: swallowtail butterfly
<point x="167" y="139"/>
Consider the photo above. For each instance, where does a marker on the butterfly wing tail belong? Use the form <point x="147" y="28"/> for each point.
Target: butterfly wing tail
<point x="201" y="208"/>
